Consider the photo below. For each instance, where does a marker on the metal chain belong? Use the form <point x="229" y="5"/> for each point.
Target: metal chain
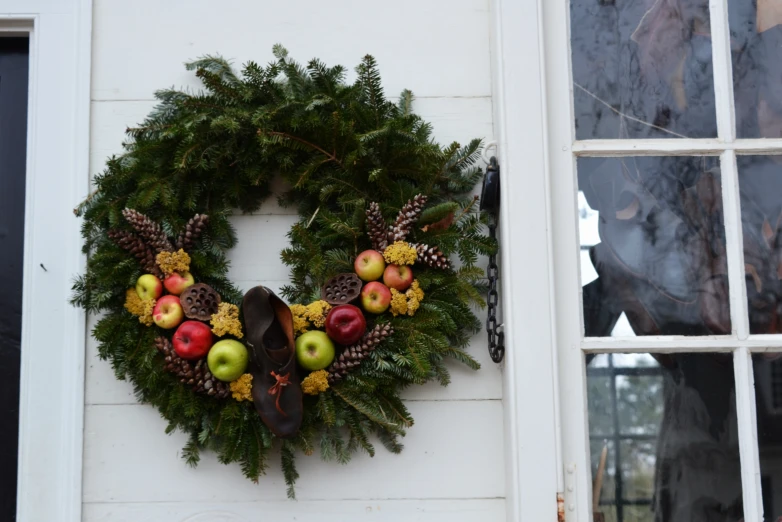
<point x="496" y="335"/>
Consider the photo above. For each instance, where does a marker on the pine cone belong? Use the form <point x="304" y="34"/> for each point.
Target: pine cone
<point x="376" y="227"/>
<point x="407" y="217"/>
<point x="136" y="246"/>
<point x="352" y="356"/>
<point x="192" y="232"/>
<point x="432" y="256"/>
<point x="149" y="231"/>
<point x="196" y="375"/>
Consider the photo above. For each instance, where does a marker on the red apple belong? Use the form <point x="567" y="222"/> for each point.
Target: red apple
<point x="398" y="277"/>
<point x="369" y="265"/>
<point x="176" y="282"/>
<point x="149" y="287"/>
<point x="168" y="312"/>
<point x="192" y="340"/>
<point x="376" y="297"/>
<point x="345" y="324"/>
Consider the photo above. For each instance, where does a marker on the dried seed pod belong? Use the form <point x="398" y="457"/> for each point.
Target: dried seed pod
<point x="341" y="289"/>
<point x="200" y="301"/>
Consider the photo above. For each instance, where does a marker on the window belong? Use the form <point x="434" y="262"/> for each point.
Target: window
<point x="665" y="158"/>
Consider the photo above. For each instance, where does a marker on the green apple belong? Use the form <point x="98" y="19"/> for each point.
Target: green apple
<point x="314" y="350"/>
<point x="149" y="286"/>
<point x="227" y="360"/>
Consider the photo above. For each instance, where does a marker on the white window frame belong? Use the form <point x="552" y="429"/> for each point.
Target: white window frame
<point x="51" y="408"/>
<point x="543" y="300"/>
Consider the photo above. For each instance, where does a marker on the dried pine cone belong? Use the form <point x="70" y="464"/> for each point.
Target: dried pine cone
<point x="192" y="231"/>
<point x="355" y="353"/>
<point x="407" y="217"/>
<point x="196" y="375"/>
<point x="149" y="231"/>
<point x="432" y="256"/>
<point x="136" y="246"/>
<point x="376" y="227"/>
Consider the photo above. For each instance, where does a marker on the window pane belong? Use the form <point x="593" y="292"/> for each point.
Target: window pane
<point x="642" y="69"/>
<point x="756" y="39"/>
<point x="768" y="398"/>
<point x="760" y="184"/>
<point x="653" y="259"/>
<point x="674" y="424"/>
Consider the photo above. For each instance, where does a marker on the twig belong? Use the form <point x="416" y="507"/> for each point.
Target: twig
<point x="623" y="115"/>
<point x="330" y="156"/>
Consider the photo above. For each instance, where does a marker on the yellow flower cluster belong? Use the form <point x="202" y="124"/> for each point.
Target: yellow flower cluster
<point x="400" y="253"/>
<point x="241" y="388"/>
<point x="226" y="321"/>
<point x="170" y="262"/>
<point x="314" y="314"/>
<point x="300" y="323"/>
<point x="315" y="383"/>
<point x="317" y="312"/>
<point x="406" y="303"/>
<point x="137" y="307"/>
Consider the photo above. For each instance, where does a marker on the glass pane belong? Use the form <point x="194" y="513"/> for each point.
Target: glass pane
<point x="653" y="259"/>
<point x="760" y="184"/>
<point x="14" y="62"/>
<point x="768" y="399"/>
<point x="642" y="69"/>
<point x="675" y="427"/>
<point x="756" y="40"/>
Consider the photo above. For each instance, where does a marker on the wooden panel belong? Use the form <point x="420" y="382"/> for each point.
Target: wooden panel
<point x="140" y="46"/>
<point x="303" y="511"/>
<point x="454" y="451"/>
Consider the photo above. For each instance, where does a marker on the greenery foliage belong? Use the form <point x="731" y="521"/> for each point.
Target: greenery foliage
<point x="339" y="146"/>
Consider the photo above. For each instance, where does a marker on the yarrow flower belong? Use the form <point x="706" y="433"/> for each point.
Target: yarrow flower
<point x="315" y="383"/>
<point x="300" y="322"/>
<point x="317" y="311"/>
<point x="136" y="306"/>
<point x="408" y="302"/>
<point x="400" y="253"/>
<point x="170" y="262"/>
<point x="226" y="321"/>
<point x="313" y="314"/>
<point x="241" y="388"/>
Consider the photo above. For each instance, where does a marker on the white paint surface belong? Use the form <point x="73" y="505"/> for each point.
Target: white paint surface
<point x="452" y="468"/>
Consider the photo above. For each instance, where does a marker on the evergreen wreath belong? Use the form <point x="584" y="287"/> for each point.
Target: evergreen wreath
<point x="163" y="207"/>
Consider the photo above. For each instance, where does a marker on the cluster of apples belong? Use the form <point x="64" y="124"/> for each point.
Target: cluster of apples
<point x="345" y="324"/>
<point x="370" y="266"/>
<point x="227" y="359"/>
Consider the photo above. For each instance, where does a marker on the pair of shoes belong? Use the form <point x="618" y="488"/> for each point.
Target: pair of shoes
<point x="276" y="390"/>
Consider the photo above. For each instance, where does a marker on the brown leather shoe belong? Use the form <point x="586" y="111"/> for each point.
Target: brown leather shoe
<point x="276" y="387"/>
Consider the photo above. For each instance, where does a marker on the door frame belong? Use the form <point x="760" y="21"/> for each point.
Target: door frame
<point x="534" y="474"/>
<point x="51" y="409"/>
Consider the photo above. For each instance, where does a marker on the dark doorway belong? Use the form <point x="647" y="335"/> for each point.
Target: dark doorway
<point x="14" y="60"/>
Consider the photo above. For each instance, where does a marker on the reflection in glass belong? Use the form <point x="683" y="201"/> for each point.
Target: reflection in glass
<point x="756" y="40"/>
<point x="768" y="399"/>
<point x="760" y="185"/>
<point x="652" y="246"/>
<point x="642" y="69"/>
<point x="667" y="433"/>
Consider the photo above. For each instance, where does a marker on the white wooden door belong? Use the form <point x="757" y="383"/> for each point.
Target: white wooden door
<point x="664" y="150"/>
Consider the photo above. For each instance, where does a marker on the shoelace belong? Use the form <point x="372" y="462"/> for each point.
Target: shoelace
<point x="276" y="389"/>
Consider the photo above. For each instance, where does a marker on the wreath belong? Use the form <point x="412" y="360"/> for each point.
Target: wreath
<point x="376" y="304"/>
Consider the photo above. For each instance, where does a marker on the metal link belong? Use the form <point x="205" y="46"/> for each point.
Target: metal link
<point x="496" y="335"/>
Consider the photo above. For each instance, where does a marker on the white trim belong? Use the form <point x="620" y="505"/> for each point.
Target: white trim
<point x="53" y="332"/>
<point x="531" y="431"/>
<point x="675" y="147"/>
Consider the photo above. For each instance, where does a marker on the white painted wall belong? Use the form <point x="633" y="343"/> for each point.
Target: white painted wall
<point x="453" y="465"/>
